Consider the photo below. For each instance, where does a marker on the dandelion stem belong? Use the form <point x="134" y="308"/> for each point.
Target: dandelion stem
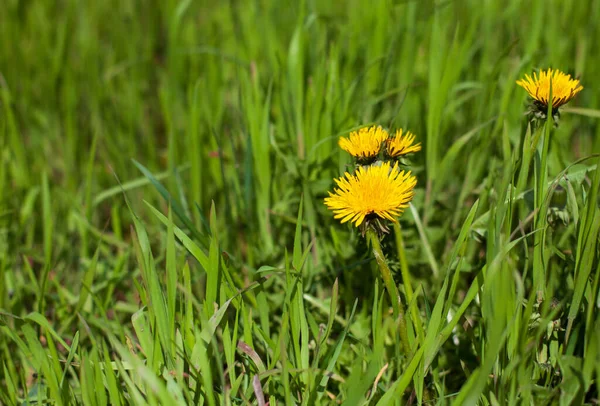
<point x="541" y="188"/>
<point x="539" y="270"/>
<point x="392" y="289"/>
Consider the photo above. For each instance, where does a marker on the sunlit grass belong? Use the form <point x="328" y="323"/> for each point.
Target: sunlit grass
<point x="163" y="237"/>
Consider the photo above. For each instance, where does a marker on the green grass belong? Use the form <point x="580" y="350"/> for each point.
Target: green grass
<point x="163" y="237"/>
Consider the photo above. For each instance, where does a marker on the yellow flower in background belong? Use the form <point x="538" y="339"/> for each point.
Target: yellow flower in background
<point x="374" y="192"/>
<point x="365" y="143"/>
<point x="402" y="144"/>
<point x="564" y="88"/>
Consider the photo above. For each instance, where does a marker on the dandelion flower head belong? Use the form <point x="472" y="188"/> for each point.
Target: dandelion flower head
<point x="364" y="143"/>
<point x="402" y="144"/>
<point x="376" y="191"/>
<point x="564" y="88"/>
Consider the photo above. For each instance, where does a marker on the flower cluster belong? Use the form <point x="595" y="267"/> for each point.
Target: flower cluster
<point x="367" y="143"/>
<point x="378" y="191"/>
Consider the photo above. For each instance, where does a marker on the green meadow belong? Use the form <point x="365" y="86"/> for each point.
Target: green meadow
<point x="163" y="233"/>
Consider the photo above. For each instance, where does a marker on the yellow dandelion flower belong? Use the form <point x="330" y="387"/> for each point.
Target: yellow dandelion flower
<point x="374" y="192"/>
<point x="563" y="87"/>
<point x="364" y="143"/>
<point x="401" y="144"/>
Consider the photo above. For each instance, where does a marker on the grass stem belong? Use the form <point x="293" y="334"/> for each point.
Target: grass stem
<point x="406" y="280"/>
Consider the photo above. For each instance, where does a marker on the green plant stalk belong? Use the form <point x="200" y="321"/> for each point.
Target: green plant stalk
<point x="529" y="148"/>
<point x="390" y="286"/>
<point x="406" y="280"/>
<point x="541" y="189"/>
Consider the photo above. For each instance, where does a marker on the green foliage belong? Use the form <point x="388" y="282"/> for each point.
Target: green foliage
<point x="163" y="237"/>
